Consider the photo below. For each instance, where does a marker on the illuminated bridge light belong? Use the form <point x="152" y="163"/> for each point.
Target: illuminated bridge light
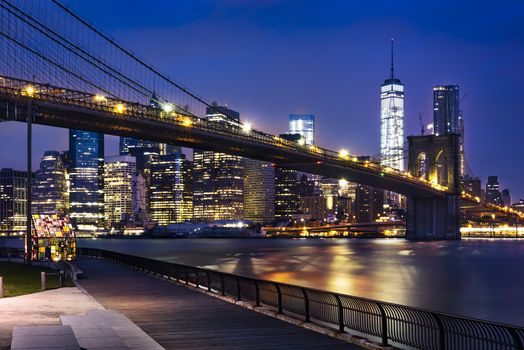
<point x="29" y="90"/>
<point x="343" y="153"/>
<point x="120" y="108"/>
<point x="302" y="142"/>
<point x="187" y="122"/>
<point x="99" y="98"/>
<point x="247" y="127"/>
<point x="167" y="107"/>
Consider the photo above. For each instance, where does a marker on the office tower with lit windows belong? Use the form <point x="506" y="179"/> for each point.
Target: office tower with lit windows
<point x="287" y="199"/>
<point x="505" y="197"/>
<point x="119" y="174"/>
<point x="519" y="205"/>
<point x="168" y="195"/>
<point x="369" y="203"/>
<point x="259" y="191"/>
<point x="392" y="120"/>
<point x="392" y="127"/>
<point x="493" y="194"/>
<point x="86" y="191"/>
<point x="50" y="186"/>
<point x="304" y="125"/>
<point x="218" y="184"/>
<point x="446" y="109"/>
<point x="13" y="201"/>
<point x="472" y="186"/>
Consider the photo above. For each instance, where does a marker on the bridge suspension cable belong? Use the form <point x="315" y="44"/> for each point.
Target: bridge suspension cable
<point x="46" y="42"/>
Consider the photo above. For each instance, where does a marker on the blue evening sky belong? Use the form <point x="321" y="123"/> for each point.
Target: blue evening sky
<point x="270" y="58"/>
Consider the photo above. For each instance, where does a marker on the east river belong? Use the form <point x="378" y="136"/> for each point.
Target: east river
<point x="473" y="277"/>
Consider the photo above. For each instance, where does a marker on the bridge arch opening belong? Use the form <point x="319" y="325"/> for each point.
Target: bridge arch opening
<point x="422" y="165"/>
<point x="441" y="164"/>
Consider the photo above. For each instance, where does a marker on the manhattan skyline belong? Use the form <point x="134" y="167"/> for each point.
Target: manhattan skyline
<point x="329" y="61"/>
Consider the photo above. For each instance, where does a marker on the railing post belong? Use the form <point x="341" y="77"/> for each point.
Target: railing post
<point x="208" y="282"/>
<point x="187" y="277"/>
<point x="42" y="280"/>
<point x="279" y="296"/>
<point x="1" y="287"/>
<point x="384" y="333"/>
<point x="340" y="314"/>
<point x="441" y="334"/>
<point x="306" y="304"/>
<point x="61" y="278"/>
<point x="257" y="294"/>
<point x="222" y="286"/>
<point x="238" y="288"/>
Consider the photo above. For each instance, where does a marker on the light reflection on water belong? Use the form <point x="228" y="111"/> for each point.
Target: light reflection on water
<point x="474" y="277"/>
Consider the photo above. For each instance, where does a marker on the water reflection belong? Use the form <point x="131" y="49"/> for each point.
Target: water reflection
<point x="479" y="278"/>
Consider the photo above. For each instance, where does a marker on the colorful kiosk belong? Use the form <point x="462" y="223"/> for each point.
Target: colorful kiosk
<point x="53" y="238"/>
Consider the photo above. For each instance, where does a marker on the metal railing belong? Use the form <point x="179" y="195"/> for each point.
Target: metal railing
<point x="387" y="323"/>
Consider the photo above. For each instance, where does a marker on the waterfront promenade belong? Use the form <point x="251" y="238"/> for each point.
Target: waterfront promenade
<point x="177" y="317"/>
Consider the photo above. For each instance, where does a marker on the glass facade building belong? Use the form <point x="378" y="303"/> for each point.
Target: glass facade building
<point x="218" y="179"/>
<point x="13" y="201"/>
<point x="446" y="109"/>
<point x="170" y="199"/>
<point x="287" y="198"/>
<point x="259" y="191"/>
<point x="392" y="122"/>
<point x="86" y="190"/>
<point x="303" y="124"/>
<point x="493" y="194"/>
<point x="119" y="174"/>
<point x="50" y="192"/>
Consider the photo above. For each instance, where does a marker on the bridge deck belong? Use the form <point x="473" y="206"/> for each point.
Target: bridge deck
<point x="179" y="318"/>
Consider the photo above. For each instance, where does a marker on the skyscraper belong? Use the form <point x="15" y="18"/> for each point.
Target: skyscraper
<point x="86" y="191"/>
<point x="392" y="120"/>
<point x="259" y="191"/>
<point x="446" y="109"/>
<point x="119" y="174"/>
<point x="369" y="203"/>
<point x="304" y="125"/>
<point x="287" y="198"/>
<point x="493" y="194"/>
<point x="218" y="182"/>
<point x="13" y="201"/>
<point x="168" y="194"/>
<point x="50" y="186"/>
<point x="505" y="198"/>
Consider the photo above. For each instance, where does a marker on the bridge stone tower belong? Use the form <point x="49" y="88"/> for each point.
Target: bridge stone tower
<point x="436" y="158"/>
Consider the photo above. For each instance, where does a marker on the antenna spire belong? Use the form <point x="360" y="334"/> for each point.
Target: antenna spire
<point x="392" y="67"/>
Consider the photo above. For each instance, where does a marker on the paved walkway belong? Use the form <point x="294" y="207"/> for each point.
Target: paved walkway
<point x="179" y="318"/>
<point x="43" y="308"/>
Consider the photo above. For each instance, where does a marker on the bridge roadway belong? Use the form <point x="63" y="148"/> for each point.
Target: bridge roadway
<point x="55" y="106"/>
<point x="179" y="318"/>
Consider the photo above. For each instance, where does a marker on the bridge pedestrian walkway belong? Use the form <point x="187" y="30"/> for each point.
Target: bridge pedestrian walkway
<point x="179" y="318"/>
